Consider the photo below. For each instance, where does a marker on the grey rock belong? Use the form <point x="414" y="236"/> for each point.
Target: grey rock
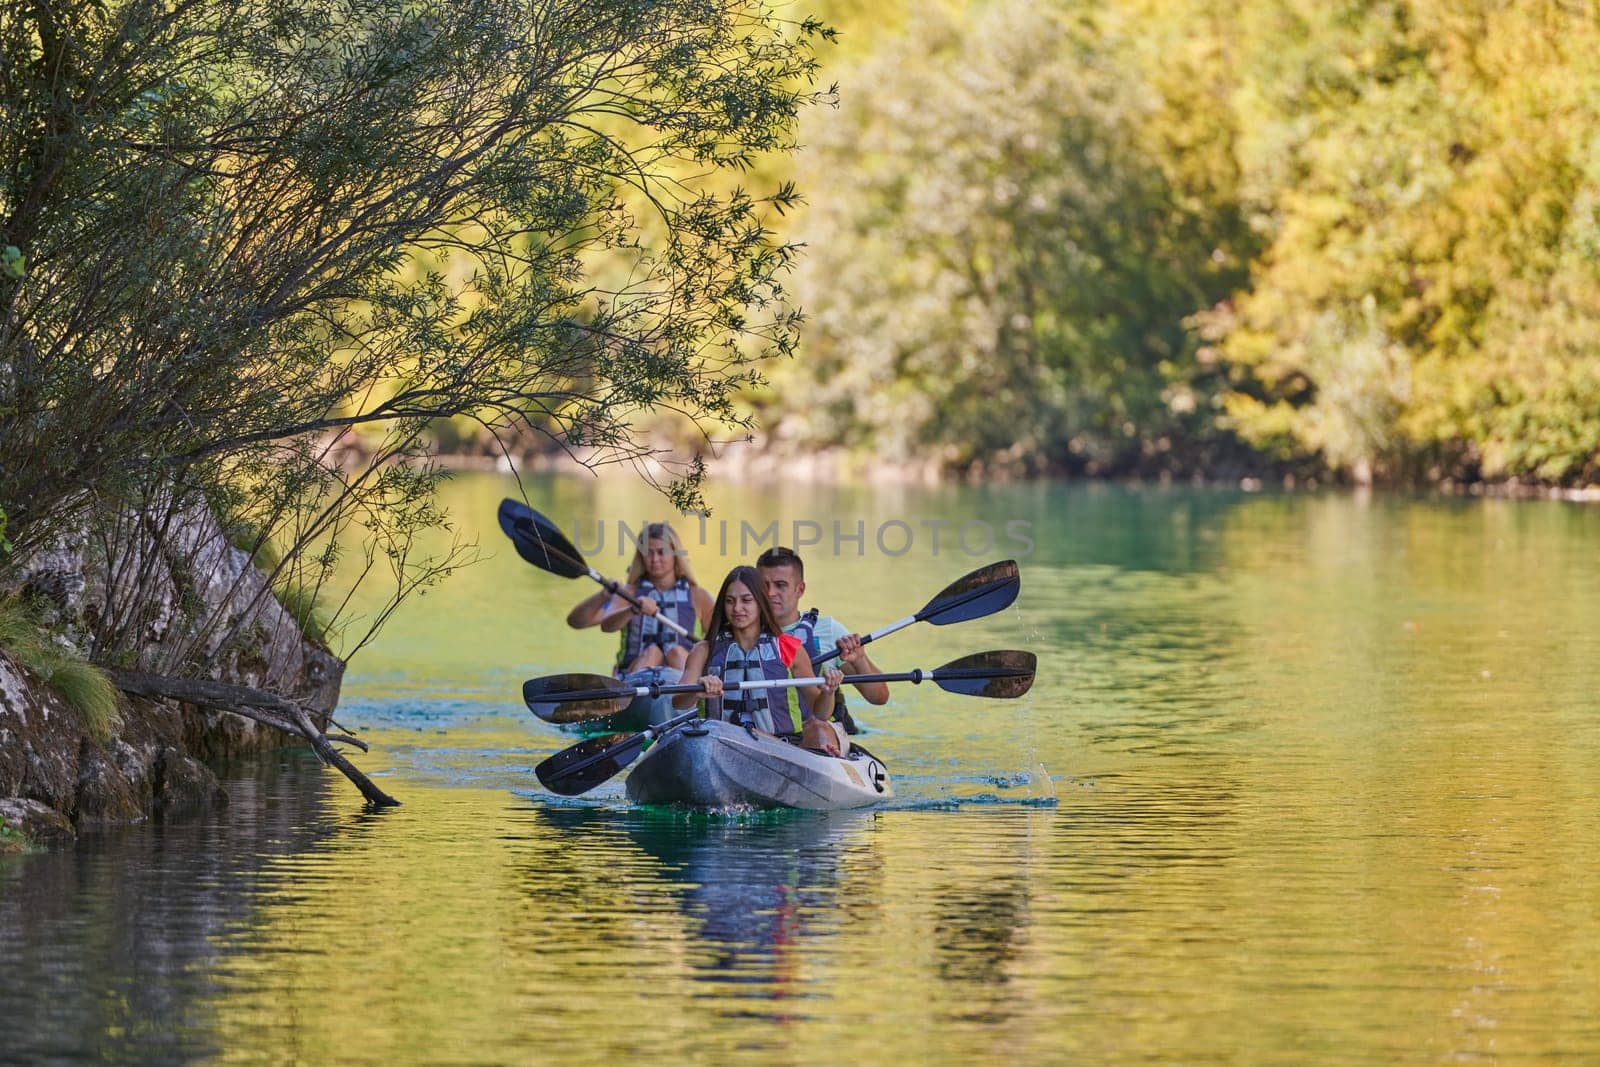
<point x="38" y="820"/>
<point x="104" y="793"/>
<point x="207" y="612"/>
<point x="185" y="784"/>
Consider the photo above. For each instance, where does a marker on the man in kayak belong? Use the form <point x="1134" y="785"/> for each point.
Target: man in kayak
<point x="745" y="644"/>
<point x="783" y="575"/>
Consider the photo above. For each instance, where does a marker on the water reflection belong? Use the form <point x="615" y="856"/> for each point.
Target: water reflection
<point x="752" y="887"/>
<point x="111" y="948"/>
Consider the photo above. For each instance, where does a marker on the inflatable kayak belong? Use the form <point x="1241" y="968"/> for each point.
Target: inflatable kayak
<point x="711" y="764"/>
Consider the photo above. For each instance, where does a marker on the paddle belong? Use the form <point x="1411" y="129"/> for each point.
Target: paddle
<point x="567" y="698"/>
<point x="541" y="543"/>
<point x="580" y="767"/>
<point x="983" y="592"/>
<point x="583" y="766"/>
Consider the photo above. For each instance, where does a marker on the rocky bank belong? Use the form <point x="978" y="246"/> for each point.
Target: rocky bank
<point x="201" y="594"/>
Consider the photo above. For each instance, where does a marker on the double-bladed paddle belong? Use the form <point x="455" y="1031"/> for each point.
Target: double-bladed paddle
<point x="580" y="767"/>
<point x="983" y="592"/>
<point x="541" y="543"/>
<point x="583" y="766"/>
<point x="972" y="596"/>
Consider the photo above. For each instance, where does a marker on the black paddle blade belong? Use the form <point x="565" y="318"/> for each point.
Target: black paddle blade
<point x="539" y="541"/>
<point x="1003" y="674"/>
<point x="564" y="698"/>
<point x="983" y="592"/>
<point x="586" y="764"/>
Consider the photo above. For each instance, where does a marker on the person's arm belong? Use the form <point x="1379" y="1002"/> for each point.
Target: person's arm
<point x="692" y="671"/>
<point x="588" y="611"/>
<point x="852" y="657"/>
<point x="619" y="619"/>
<point x="702" y="608"/>
<point x="815" y="696"/>
<point x="856" y="661"/>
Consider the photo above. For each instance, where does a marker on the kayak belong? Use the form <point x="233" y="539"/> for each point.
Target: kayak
<point x="713" y="764"/>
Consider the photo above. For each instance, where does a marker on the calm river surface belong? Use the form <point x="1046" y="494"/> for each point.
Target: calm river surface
<point x="1303" y="779"/>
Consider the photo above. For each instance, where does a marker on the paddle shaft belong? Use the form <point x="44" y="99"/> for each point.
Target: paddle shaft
<point x="915" y="677"/>
<point x="867" y="639"/>
<point x="615" y="589"/>
<point x="622" y="746"/>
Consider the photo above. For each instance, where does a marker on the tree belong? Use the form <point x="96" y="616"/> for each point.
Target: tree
<point x="246" y="229"/>
<point x="1005" y="249"/>
<point x="1428" y="181"/>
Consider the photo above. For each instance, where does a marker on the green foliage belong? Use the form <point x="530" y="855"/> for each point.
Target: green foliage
<point x="82" y="685"/>
<point x="1429" y="178"/>
<point x="1361" y="235"/>
<point x="1004" y="251"/>
<point x="13" y="839"/>
<point x="257" y="232"/>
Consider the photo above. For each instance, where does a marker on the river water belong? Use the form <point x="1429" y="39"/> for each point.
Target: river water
<point x="1308" y="778"/>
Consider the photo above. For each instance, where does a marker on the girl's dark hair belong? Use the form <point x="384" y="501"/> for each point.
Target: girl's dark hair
<point x="751" y="579"/>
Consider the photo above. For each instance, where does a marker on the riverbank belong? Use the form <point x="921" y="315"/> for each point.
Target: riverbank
<point x="751" y="464"/>
<point x="63" y="769"/>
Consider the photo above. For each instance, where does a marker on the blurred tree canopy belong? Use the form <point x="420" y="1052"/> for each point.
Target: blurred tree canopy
<point x="233" y="231"/>
<point x="1004" y="246"/>
<point x="1136" y="235"/>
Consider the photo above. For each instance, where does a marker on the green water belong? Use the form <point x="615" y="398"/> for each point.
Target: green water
<point x="1303" y="779"/>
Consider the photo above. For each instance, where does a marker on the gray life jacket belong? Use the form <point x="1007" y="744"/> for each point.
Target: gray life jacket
<point x="675" y="603"/>
<point x="805" y="630"/>
<point x="765" y="709"/>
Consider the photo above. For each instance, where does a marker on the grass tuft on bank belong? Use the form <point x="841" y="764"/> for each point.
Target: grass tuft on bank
<point x="80" y="683"/>
<point x="300" y="601"/>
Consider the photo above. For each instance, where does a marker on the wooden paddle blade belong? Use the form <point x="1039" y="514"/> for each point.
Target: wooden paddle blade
<point x="983" y="592"/>
<point x="1003" y="674"/>
<point x="538" y="541"/>
<point x="567" y="698"/>
<point x="586" y="764"/>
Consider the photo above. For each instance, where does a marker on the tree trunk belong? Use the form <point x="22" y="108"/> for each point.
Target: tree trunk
<point x="258" y="704"/>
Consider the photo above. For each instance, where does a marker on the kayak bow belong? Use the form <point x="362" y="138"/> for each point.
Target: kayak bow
<point x="712" y="764"/>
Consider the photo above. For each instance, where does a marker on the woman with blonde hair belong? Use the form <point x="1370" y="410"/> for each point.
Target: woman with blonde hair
<point x="660" y="577"/>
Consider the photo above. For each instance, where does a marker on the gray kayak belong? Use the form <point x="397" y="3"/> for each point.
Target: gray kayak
<point x="711" y="764"/>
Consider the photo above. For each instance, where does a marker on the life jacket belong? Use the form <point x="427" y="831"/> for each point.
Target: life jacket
<point x="769" y="660"/>
<point x="805" y="630"/>
<point x="675" y="603"/>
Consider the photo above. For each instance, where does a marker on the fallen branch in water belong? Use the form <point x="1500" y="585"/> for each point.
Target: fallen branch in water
<point x="269" y="709"/>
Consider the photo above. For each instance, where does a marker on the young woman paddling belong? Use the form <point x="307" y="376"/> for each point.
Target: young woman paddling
<point x="744" y="643"/>
<point x="660" y="577"/>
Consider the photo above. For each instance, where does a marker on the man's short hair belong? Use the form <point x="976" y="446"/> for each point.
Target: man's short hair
<point x="778" y="556"/>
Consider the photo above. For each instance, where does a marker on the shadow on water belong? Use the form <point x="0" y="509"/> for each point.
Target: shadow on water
<point x="111" y="947"/>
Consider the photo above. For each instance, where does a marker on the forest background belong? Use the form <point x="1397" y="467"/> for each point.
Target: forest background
<point x="1349" y="239"/>
<point x="1353" y="241"/>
